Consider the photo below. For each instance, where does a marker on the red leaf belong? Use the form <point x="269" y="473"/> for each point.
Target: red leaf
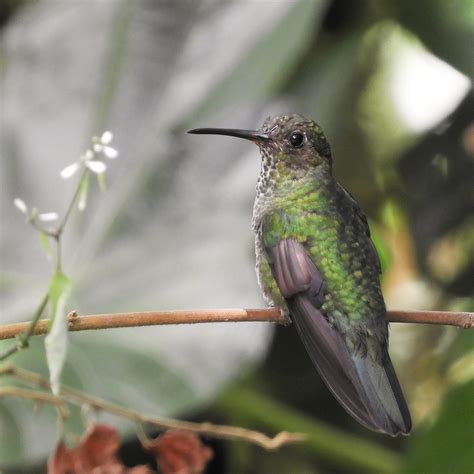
<point x="181" y="452"/>
<point x="61" y="461"/>
<point x="96" y="454"/>
<point x="143" y="469"/>
<point x="98" y="446"/>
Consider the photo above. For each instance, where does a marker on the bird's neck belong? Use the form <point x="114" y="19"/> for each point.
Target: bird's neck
<point x="276" y="190"/>
<point x="278" y="178"/>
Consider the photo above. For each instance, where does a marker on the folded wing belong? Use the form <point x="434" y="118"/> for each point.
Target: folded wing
<point x="366" y="388"/>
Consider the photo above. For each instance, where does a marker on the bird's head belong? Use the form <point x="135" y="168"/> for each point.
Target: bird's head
<point x="288" y="143"/>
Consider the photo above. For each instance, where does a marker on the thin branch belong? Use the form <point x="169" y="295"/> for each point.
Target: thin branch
<point x="273" y="315"/>
<point x="207" y="429"/>
<point x="35" y="396"/>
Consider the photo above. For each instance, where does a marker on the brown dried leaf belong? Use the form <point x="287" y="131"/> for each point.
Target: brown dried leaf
<point x="96" y="453"/>
<point x="61" y="461"/>
<point x="181" y="452"/>
<point x="98" y="446"/>
<point x="142" y="469"/>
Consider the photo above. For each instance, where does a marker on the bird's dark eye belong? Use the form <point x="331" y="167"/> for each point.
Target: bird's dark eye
<point x="297" y="139"/>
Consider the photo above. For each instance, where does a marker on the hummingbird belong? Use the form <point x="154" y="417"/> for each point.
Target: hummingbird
<point x="315" y="259"/>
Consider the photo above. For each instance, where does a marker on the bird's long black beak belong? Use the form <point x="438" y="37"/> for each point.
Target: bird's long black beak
<point x="252" y="135"/>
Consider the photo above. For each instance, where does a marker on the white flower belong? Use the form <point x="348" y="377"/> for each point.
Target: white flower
<point x="70" y="170"/>
<point x="106" y="137"/>
<point x="20" y="205"/>
<point x="108" y="151"/>
<point x="101" y="145"/>
<point x="48" y="216"/>
<point x="96" y="166"/>
<point x="87" y="160"/>
<point x="45" y="216"/>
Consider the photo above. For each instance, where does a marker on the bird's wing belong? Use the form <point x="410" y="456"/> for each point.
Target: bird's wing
<point x="302" y="286"/>
<point x="368" y="390"/>
<point x="346" y="196"/>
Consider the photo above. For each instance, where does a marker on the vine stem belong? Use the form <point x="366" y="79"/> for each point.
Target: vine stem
<point x="76" y="397"/>
<point x="274" y="315"/>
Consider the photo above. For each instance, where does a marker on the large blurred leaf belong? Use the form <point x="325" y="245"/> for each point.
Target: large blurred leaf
<point x="446" y="27"/>
<point x="440" y="204"/>
<point x="10" y="435"/>
<point x="277" y="55"/>
<point x="127" y="377"/>
<point x="446" y="447"/>
<point x="173" y="228"/>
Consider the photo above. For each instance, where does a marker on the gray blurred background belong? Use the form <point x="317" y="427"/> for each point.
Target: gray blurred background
<point x="389" y="81"/>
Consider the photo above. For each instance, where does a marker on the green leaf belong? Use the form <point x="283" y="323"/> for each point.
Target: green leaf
<point x="444" y="447"/>
<point x="59" y="287"/>
<point x="44" y="241"/>
<point x="57" y="338"/>
<point x="462" y="345"/>
<point x="392" y="215"/>
<point x="382" y="247"/>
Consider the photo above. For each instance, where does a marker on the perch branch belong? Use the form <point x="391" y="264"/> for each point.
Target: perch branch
<point x="79" y="398"/>
<point x="274" y="315"/>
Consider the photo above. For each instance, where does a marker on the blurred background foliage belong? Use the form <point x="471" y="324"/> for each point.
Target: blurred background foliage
<point x="389" y="81"/>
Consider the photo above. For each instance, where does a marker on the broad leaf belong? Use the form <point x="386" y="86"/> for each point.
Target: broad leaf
<point x="57" y="339"/>
<point x="447" y="445"/>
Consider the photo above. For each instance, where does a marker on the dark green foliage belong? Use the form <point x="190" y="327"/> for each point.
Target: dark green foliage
<point x="446" y="446"/>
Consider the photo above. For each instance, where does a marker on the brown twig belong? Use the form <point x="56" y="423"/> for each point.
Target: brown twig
<point x="461" y="319"/>
<point x="275" y="315"/>
<point x="35" y="396"/>
<point x="79" y="398"/>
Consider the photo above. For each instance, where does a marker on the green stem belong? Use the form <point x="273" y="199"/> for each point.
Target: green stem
<point x="58" y="255"/>
<point x="23" y="340"/>
<point x="56" y="235"/>
<point x="39" y="228"/>
<point x="59" y="231"/>
<point x="336" y="446"/>
<point x="75" y="196"/>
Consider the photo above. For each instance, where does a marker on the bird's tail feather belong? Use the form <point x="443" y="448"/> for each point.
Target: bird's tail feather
<point x="386" y="400"/>
<point x="367" y="389"/>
